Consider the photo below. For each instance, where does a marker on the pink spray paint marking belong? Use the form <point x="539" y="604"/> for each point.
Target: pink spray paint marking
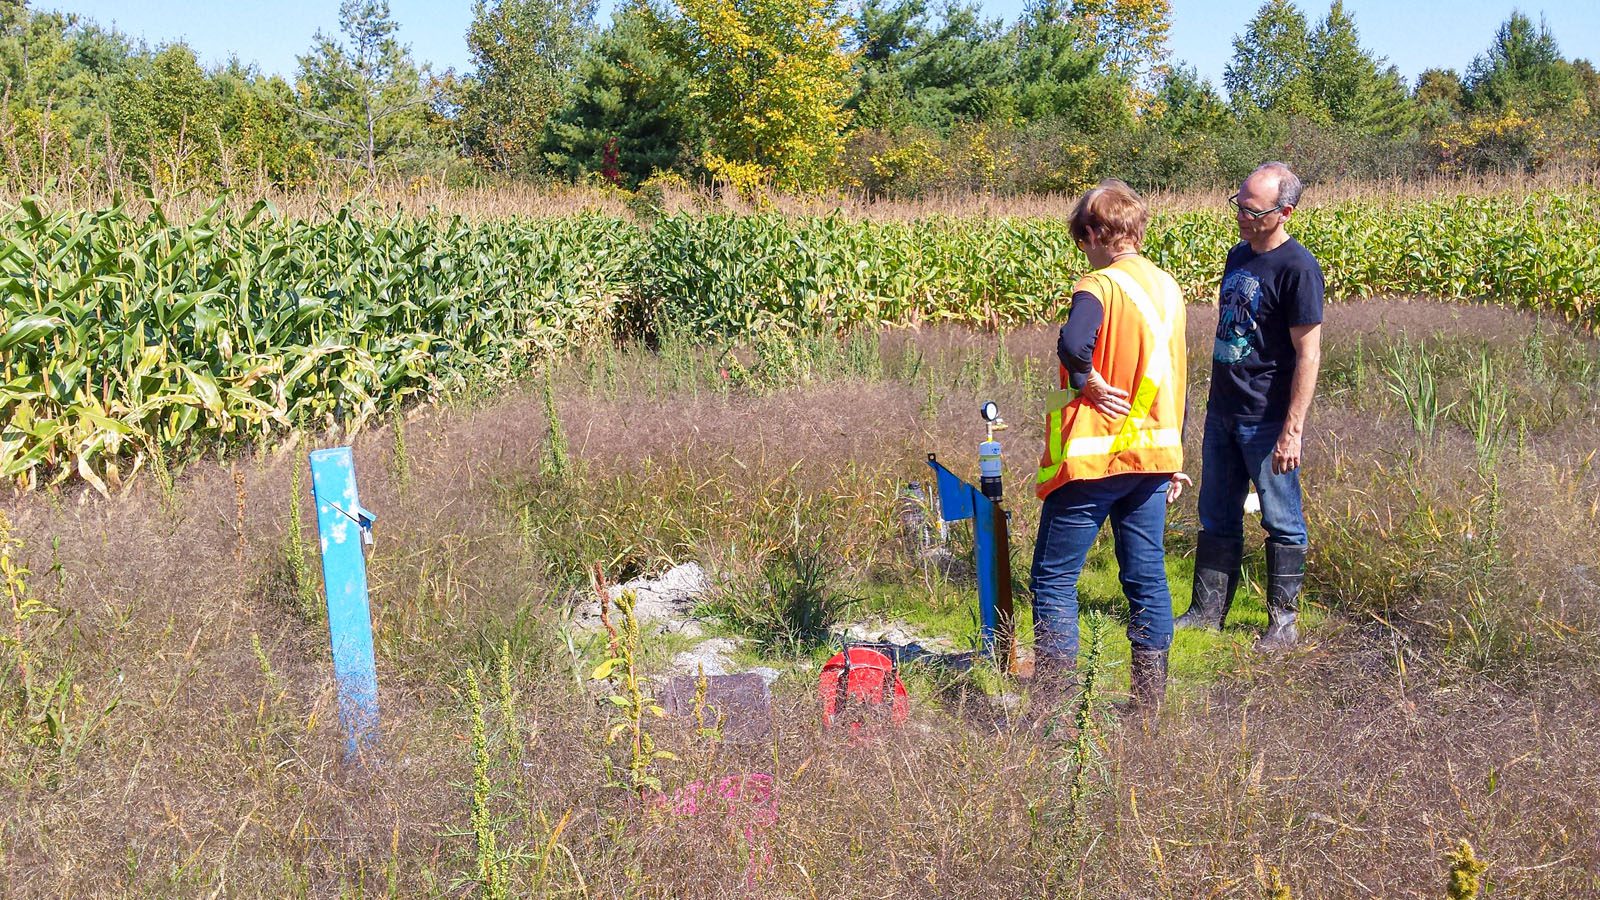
<point x="746" y="804"/>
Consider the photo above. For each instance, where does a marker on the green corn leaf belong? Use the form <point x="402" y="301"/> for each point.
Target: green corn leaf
<point x="29" y="330"/>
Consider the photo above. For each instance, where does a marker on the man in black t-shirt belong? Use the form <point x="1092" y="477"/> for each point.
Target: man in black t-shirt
<point x="1263" y="375"/>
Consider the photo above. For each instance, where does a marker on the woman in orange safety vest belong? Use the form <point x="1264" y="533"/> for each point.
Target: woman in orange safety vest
<point x="1113" y="442"/>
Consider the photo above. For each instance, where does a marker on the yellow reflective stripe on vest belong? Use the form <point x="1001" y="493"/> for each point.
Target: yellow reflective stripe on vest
<point x="1143" y="399"/>
<point x="1054" y="427"/>
<point x="1109" y="444"/>
<point x="1159" y="368"/>
<point x="1160" y="327"/>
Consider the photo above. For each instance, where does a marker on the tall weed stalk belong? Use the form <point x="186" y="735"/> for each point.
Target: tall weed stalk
<point x="302" y="587"/>
<point x="493" y="866"/>
<point x="621" y="669"/>
<point x="32" y="622"/>
<point x="557" y="461"/>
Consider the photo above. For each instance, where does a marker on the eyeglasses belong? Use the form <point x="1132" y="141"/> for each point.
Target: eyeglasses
<point x="1256" y="214"/>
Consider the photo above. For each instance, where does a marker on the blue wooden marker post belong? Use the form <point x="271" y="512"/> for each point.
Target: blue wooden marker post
<point x="343" y="526"/>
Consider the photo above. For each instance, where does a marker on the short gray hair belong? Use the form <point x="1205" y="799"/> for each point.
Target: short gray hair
<point x="1289" y="186"/>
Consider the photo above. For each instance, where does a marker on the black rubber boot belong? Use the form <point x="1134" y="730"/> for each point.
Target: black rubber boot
<point x="1286" y="570"/>
<point x="1216" y="577"/>
<point x="1149" y="681"/>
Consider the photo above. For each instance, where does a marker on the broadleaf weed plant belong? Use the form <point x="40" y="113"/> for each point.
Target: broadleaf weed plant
<point x="512" y="851"/>
<point x="704" y="728"/>
<point x="241" y="501"/>
<point x="493" y="866"/>
<point x="1086" y="745"/>
<point x="1085" y="753"/>
<point x="1487" y="638"/>
<point x="1272" y="884"/>
<point x="622" y="671"/>
<point x="929" y="411"/>
<point x="47" y="709"/>
<point x="863" y="357"/>
<point x="400" y="459"/>
<point x="1004" y="371"/>
<point x="557" y="460"/>
<point x="1466" y="872"/>
<point x="163" y="475"/>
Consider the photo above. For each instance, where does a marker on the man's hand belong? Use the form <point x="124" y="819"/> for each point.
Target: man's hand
<point x="1308" y="359"/>
<point x="1286" y="455"/>
<point x="1110" y="401"/>
<point x="1176" y="485"/>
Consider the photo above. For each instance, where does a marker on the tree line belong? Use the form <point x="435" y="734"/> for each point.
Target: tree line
<point x="893" y="98"/>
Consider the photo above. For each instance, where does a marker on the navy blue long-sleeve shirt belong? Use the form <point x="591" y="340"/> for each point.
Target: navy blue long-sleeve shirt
<point x="1075" y="346"/>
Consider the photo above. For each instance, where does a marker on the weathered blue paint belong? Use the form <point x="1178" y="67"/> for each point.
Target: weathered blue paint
<point x="341" y="523"/>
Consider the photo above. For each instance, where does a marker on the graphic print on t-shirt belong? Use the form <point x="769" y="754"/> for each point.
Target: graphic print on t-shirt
<point x="1238" y="334"/>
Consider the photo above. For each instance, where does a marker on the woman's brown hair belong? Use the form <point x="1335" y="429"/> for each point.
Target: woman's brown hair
<point x="1111" y="211"/>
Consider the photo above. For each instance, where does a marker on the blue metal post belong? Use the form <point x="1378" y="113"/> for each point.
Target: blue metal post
<point x="983" y="515"/>
<point x="992" y="548"/>
<point x="342" y="525"/>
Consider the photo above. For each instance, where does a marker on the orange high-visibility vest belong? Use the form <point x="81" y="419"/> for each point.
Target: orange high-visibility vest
<point x="1141" y="350"/>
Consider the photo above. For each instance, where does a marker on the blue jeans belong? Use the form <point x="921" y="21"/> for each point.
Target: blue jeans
<point x="1233" y="455"/>
<point x="1068" y="524"/>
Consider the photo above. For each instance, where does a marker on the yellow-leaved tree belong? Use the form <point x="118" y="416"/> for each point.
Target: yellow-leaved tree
<point x="768" y="80"/>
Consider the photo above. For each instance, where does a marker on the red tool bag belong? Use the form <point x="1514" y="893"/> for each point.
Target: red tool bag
<point x="861" y="686"/>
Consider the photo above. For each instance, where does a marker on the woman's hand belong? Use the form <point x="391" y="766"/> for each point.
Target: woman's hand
<point x="1176" y="485"/>
<point x="1110" y="401"/>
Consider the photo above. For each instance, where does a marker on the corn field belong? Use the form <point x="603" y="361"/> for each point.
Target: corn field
<point x="124" y="337"/>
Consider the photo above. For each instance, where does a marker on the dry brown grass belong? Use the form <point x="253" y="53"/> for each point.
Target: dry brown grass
<point x="1349" y="767"/>
<point x="423" y="195"/>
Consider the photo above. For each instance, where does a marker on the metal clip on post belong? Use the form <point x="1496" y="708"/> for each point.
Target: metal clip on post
<point x="362" y="517"/>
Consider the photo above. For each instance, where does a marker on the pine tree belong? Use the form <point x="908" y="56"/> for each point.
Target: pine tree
<point x="882" y="38"/>
<point x="1350" y="85"/>
<point x="1186" y="104"/>
<point x="626" y="117"/>
<point x="365" y="100"/>
<point x="1438" y="96"/>
<point x="1059" y="75"/>
<point x="1522" y="71"/>
<point x="961" y="71"/>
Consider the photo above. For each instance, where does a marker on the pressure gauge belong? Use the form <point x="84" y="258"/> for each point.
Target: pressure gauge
<point x="990" y="411"/>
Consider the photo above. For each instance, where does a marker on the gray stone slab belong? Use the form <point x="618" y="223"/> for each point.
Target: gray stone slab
<point x="741" y="703"/>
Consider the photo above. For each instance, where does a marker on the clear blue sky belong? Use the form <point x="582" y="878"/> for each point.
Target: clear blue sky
<point x="270" y="33"/>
